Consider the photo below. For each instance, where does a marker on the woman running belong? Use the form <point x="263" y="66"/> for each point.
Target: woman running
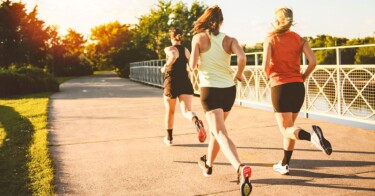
<point x="281" y="63"/>
<point x="178" y="85"/>
<point x="217" y="89"/>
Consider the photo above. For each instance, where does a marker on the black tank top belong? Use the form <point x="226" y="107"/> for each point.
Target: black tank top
<point x="178" y="68"/>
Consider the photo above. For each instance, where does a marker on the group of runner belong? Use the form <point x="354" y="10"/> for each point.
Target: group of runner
<point x="211" y="53"/>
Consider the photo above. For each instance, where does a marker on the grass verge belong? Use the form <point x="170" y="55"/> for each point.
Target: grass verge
<point x="63" y="79"/>
<point x="101" y="72"/>
<point x="25" y="164"/>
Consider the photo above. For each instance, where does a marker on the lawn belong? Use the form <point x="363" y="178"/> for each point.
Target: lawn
<point x="26" y="167"/>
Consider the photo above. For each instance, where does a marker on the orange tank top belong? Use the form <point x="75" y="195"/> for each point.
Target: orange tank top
<point x="285" y="59"/>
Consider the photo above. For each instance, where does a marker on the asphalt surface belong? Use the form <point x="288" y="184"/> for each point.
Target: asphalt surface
<point x="106" y="138"/>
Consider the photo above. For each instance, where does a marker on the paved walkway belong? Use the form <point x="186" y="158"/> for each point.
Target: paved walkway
<point x="106" y="139"/>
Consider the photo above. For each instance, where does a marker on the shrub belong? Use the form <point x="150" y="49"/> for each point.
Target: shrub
<point x="24" y="80"/>
<point x="74" y="65"/>
<point x="123" y="71"/>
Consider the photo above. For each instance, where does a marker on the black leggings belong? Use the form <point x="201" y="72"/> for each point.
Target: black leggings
<point x="214" y="98"/>
<point x="288" y="97"/>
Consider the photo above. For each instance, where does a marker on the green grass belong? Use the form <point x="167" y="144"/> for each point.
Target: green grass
<point x="25" y="164"/>
<point x="100" y="72"/>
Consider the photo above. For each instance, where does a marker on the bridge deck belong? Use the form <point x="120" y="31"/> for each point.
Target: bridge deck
<point x="106" y="139"/>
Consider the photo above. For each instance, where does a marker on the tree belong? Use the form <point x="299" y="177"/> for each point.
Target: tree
<point x="327" y="56"/>
<point x="74" y="61"/>
<point x="56" y="51"/>
<point x="108" y="41"/>
<point x="74" y="42"/>
<point x="11" y="15"/>
<point x="154" y="27"/>
<point x="366" y="55"/>
<point x="23" y="36"/>
<point x="184" y="19"/>
<point x="34" y="38"/>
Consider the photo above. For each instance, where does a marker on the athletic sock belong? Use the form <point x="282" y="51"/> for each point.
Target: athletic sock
<point x="170" y="131"/>
<point x="303" y="135"/>
<point x="194" y="119"/>
<point x="287" y="157"/>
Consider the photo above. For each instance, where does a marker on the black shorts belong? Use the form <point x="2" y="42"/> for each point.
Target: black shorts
<point x="214" y="98"/>
<point x="288" y="97"/>
<point x="175" y="88"/>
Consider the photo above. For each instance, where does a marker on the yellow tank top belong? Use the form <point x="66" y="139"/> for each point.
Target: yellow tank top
<point x="214" y="67"/>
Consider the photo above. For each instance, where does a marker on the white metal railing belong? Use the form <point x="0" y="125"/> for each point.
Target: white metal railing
<point x="345" y="92"/>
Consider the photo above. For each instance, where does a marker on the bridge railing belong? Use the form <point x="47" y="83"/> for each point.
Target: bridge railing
<point x="340" y="92"/>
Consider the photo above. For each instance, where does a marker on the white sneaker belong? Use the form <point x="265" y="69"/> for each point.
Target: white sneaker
<point x="281" y="169"/>
<point x="318" y="140"/>
<point x="167" y="141"/>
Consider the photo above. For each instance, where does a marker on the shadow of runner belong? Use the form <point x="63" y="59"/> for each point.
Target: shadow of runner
<point x="14" y="157"/>
<point x="312" y="164"/>
<point x="309" y="164"/>
<point x="305" y="173"/>
<point x="307" y="183"/>
<point x="307" y="150"/>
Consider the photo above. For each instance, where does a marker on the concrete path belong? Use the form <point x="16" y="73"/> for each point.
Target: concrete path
<point x="106" y="138"/>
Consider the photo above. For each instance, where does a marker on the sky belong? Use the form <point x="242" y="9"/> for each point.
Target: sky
<point x="247" y="20"/>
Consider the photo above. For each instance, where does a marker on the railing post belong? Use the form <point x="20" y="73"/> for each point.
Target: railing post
<point x="153" y="72"/>
<point x="338" y="63"/>
<point x="256" y="79"/>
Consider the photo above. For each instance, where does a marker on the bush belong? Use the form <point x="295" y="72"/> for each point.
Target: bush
<point x="123" y="71"/>
<point x="25" y="80"/>
<point x="73" y="65"/>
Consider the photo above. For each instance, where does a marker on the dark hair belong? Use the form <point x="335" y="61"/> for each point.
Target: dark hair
<point x="176" y="34"/>
<point x="211" y="20"/>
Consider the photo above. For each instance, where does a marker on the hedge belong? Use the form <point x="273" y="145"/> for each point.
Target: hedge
<point x="25" y="80"/>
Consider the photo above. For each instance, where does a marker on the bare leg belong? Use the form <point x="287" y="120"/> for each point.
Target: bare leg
<point x="287" y="128"/>
<point x="216" y="119"/>
<point x="185" y="104"/>
<point x="290" y="143"/>
<point x="213" y="146"/>
<point x="170" y="105"/>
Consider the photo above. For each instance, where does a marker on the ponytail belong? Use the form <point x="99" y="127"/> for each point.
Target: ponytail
<point x="210" y="20"/>
<point x="176" y="34"/>
<point x="286" y="21"/>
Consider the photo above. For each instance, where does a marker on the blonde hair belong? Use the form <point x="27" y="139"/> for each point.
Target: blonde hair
<point x="285" y="19"/>
<point x="176" y="34"/>
<point x="210" y="20"/>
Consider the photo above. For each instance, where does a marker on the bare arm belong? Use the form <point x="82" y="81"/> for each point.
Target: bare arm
<point x="172" y="55"/>
<point x="266" y="57"/>
<point x="241" y="59"/>
<point x="194" y="52"/>
<point x="187" y="54"/>
<point x="311" y="58"/>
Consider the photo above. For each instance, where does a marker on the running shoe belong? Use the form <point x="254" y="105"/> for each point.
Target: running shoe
<point x="244" y="175"/>
<point x="281" y="169"/>
<point x="207" y="171"/>
<point x="201" y="131"/>
<point x="167" y="141"/>
<point x="318" y="140"/>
